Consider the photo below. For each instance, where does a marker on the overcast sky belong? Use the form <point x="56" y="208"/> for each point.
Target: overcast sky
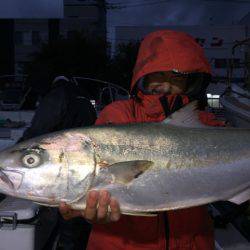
<point x="140" y="12"/>
<point x="177" y="12"/>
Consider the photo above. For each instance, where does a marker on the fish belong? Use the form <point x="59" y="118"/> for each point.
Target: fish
<point x="147" y="167"/>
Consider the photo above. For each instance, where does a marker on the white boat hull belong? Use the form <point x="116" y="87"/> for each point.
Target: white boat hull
<point x="237" y="109"/>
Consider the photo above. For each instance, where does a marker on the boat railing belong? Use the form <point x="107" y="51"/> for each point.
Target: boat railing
<point x="104" y="92"/>
<point x="240" y="94"/>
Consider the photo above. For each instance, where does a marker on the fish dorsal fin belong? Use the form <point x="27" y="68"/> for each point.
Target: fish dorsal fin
<point x="188" y="116"/>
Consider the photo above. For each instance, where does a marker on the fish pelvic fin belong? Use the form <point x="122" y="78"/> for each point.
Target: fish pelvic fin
<point x="81" y="204"/>
<point x="188" y="116"/>
<point x="78" y="205"/>
<point x="142" y="214"/>
<point x="126" y="172"/>
<point x="46" y="204"/>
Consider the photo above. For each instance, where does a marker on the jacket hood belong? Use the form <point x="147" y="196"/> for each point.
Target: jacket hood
<point x="167" y="50"/>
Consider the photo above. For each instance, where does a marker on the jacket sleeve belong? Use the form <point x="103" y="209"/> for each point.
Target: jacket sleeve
<point x="210" y="119"/>
<point x="113" y="113"/>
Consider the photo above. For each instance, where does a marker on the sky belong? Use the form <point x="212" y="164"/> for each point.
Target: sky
<point x="177" y="12"/>
<point x="174" y="12"/>
<point x="139" y="12"/>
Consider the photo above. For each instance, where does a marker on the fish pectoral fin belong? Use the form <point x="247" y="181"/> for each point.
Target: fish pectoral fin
<point x="125" y="172"/>
<point x="188" y="117"/>
<point x="241" y="197"/>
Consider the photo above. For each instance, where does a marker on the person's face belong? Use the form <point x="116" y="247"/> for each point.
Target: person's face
<point x="165" y="83"/>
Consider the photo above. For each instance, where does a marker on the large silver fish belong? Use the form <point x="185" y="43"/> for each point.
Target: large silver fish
<point x="147" y="167"/>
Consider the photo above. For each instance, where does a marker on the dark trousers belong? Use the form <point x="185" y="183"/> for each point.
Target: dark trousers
<point x="69" y="235"/>
<point x="73" y="233"/>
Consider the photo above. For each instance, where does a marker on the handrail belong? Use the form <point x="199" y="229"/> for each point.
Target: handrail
<point x="5" y="76"/>
<point x="240" y="94"/>
<point x="231" y="66"/>
<point x="229" y="90"/>
<point x="100" y="81"/>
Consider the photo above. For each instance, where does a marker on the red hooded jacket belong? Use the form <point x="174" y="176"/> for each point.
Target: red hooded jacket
<point x="186" y="229"/>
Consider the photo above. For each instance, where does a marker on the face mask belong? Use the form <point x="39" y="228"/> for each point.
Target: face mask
<point x="156" y="105"/>
<point x="151" y="104"/>
<point x="171" y="103"/>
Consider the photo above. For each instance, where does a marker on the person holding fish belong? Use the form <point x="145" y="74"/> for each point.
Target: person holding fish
<point x="171" y="71"/>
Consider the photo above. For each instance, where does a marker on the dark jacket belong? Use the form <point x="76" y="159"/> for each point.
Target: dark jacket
<point x="62" y="108"/>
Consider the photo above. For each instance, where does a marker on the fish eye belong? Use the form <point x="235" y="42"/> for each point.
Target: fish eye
<point x="31" y="160"/>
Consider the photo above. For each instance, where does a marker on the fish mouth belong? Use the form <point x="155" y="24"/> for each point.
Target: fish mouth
<point x="10" y="179"/>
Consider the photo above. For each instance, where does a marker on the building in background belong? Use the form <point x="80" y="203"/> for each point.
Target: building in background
<point x="216" y="40"/>
<point x="246" y="21"/>
<point x="7" y="46"/>
<point x="29" y="34"/>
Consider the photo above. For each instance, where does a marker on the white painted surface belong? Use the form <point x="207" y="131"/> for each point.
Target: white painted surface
<point x="17" y="116"/>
